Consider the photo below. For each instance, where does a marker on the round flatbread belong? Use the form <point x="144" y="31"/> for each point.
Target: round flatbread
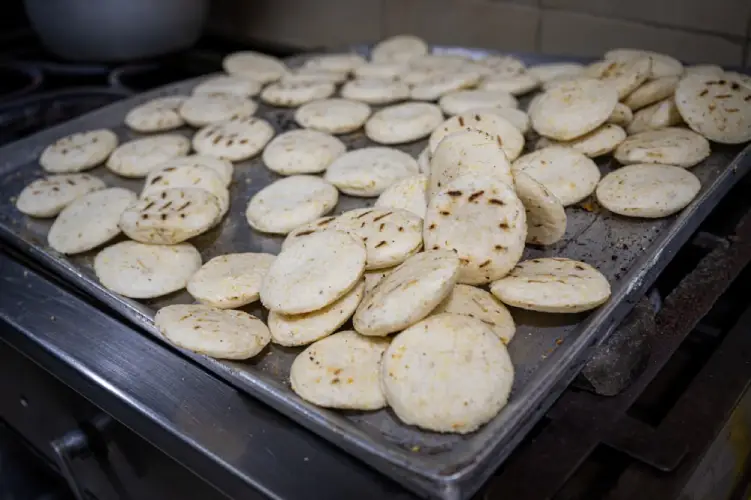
<point x="651" y="92"/>
<point x="502" y="64"/>
<point x="341" y="371"/>
<point x="717" y="108"/>
<point x="380" y="70"/>
<point x="439" y="62"/>
<point x="546" y="217"/>
<point x="662" y="64"/>
<point x="142" y="271"/>
<point x="433" y="87"/>
<point x="171" y="216"/>
<point x="507" y="136"/>
<point x="46" y="197"/>
<point x="372" y="278"/>
<point x="217" y="333"/>
<point x="477" y="303"/>
<point x="254" y="66"/>
<point x="78" y="152"/>
<point x="375" y="90"/>
<point x="518" y="84"/>
<point x="704" y="69"/>
<point x="302" y="329"/>
<point x="158" y="115"/>
<point x="302" y="152"/>
<point x="408" y="294"/>
<point x="465" y="152"/>
<point x="659" y="115"/>
<point x="290" y="95"/>
<point x="403" y="123"/>
<point x="228" y="84"/>
<point x="646" y="190"/>
<point x="621" y="115"/>
<point x="423" y="160"/>
<point x="230" y="281"/>
<point x="390" y="235"/>
<point x="668" y="146"/>
<point x="548" y="71"/>
<point x="624" y="76"/>
<point x="399" y="49"/>
<point x="449" y="373"/>
<point x="222" y="168"/>
<point x="516" y="117"/>
<point x="288" y="203"/>
<point x="461" y="101"/>
<point x="306" y="76"/>
<point x="313" y="272"/>
<point x="340" y="63"/>
<point x="369" y="171"/>
<point x="334" y="116"/>
<point x="187" y="176"/>
<point x="482" y="220"/>
<point x="553" y="285"/>
<point x="89" y="220"/>
<point x="140" y="156"/>
<point x="600" y="141"/>
<point x="573" y="109"/>
<point x="566" y="173"/>
<point x="234" y="140"/>
<point x="315" y="226"/>
<point x="204" y="109"/>
<point x="407" y="194"/>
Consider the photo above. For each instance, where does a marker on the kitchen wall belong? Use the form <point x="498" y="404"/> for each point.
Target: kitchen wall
<point x="694" y="30"/>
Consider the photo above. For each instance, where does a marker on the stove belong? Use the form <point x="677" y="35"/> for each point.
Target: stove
<point x="662" y="410"/>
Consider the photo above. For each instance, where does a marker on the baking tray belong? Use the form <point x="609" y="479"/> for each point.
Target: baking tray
<point x="547" y="351"/>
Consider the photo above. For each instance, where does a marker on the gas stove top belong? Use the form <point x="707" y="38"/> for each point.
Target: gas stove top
<point x="650" y="413"/>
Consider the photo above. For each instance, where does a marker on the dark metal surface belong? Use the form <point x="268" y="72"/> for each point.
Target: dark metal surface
<point x="547" y="352"/>
<point x="235" y="443"/>
<point x="581" y="421"/>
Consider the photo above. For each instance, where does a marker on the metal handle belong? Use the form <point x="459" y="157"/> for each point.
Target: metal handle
<point x="72" y="445"/>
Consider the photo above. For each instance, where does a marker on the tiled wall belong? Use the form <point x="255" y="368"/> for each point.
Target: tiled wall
<point x="694" y="30"/>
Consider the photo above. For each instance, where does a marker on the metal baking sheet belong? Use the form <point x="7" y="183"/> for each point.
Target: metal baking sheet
<point x="547" y="352"/>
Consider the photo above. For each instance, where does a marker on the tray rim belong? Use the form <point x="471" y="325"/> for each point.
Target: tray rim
<point x="413" y="472"/>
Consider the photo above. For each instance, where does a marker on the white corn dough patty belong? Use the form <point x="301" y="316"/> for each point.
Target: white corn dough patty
<point x="433" y="87"/>
<point x="89" y="221"/>
<point x="461" y="101"/>
<point x="141" y="271"/>
<point x="344" y="62"/>
<point x="375" y="90"/>
<point x="302" y="152"/>
<point x="204" y="109"/>
<point x="335" y="116"/>
<point x="500" y="129"/>
<point x="621" y="116"/>
<point x="466" y="152"/>
<point x="668" y="146"/>
<point x="156" y="115"/>
<point x="546" y="217"/>
<point x="553" y="285"/>
<point x="77" y="152"/>
<point x="573" y="109"/>
<point x="601" y="141"/>
<point x="171" y="216"/>
<point x="370" y="171"/>
<point x="662" y="65"/>
<point x="399" y="49"/>
<point x="290" y="95"/>
<point x="548" y="71"/>
<point x="302" y="329"/>
<point x="482" y="220"/>
<point x="515" y="84"/>
<point x="567" y="173"/>
<point x="449" y="373"/>
<point x="46" y="197"/>
<point x="218" y="333"/>
<point x="651" y="92"/>
<point x="288" y="203"/>
<point x="187" y="176"/>
<point x="407" y="194"/>
<point x="222" y="168"/>
<point x="228" y="84"/>
<point x="407" y="294"/>
<point x="403" y="123"/>
<point x="477" y="303"/>
<point x="390" y="235"/>
<point x="624" y="76"/>
<point x="140" y="156"/>
<point x="341" y="371"/>
<point x="231" y="280"/>
<point x="234" y="140"/>
<point x="647" y="190"/>
<point x="313" y="271"/>
<point x="662" y="114"/>
<point x="254" y="66"/>
<point x="383" y="70"/>
<point x="717" y="108"/>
